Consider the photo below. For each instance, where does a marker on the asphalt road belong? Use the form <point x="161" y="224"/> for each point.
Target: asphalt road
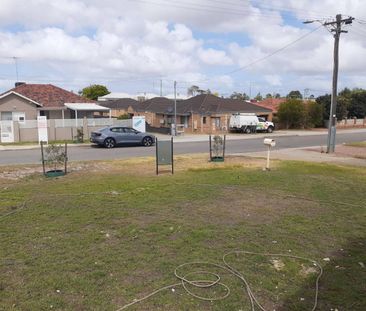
<point x="90" y="152"/>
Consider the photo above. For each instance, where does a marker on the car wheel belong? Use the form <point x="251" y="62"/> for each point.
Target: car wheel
<point x="147" y="141"/>
<point x="270" y="129"/>
<point x="248" y="130"/>
<point x="109" y="143"/>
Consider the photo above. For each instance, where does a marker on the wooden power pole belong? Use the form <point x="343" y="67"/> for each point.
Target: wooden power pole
<point x="336" y="28"/>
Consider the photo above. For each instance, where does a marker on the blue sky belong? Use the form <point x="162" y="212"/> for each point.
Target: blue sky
<point x="130" y="46"/>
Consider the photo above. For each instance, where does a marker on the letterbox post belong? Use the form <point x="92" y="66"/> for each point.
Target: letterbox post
<point x="269" y="143"/>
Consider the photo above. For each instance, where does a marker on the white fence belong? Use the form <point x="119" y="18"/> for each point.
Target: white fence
<point x="59" y="123"/>
<point x="59" y="129"/>
<point x="351" y="122"/>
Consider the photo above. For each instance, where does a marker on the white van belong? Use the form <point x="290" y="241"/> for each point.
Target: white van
<point x="249" y="123"/>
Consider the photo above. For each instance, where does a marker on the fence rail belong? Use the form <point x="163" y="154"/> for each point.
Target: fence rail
<point x="352" y="122"/>
<point x="57" y="129"/>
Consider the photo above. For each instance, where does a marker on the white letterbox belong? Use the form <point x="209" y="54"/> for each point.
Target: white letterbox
<point x="269" y="142"/>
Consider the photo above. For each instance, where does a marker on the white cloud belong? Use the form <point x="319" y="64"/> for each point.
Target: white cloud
<point x="274" y="80"/>
<point x="214" y="57"/>
<point x="80" y="41"/>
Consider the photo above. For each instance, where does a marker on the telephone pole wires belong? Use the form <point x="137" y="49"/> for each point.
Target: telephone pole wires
<point x="336" y="28"/>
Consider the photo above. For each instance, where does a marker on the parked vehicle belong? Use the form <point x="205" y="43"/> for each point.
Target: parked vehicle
<point x="249" y="123"/>
<point x="264" y="125"/>
<point x="112" y="136"/>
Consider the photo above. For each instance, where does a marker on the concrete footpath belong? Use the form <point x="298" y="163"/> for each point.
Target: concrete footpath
<point x="204" y="137"/>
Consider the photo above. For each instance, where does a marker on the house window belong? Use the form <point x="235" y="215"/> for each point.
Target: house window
<point x="43" y="113"/>
<point x="216" y="122"/>
<point x="13" y="116"/>
<point x="6" y="116"/>
<point x="204" y="120"/>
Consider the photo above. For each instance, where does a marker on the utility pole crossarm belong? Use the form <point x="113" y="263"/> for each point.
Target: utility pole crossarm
<point x="345" y="20"/>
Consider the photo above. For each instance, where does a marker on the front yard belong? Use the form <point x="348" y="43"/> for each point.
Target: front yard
<point x="97" y="239"/>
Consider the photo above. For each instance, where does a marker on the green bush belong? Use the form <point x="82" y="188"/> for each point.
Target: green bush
<point x="292" y="114"/>
<point x="314" y="113"/>
<point x="125" y="116"/>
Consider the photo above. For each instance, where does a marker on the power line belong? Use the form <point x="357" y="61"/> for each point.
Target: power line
<point x="262" y="58"/>
<point x="191" y="6"/>
<point x="291" y="9"/>
<point x="274" y="52"/>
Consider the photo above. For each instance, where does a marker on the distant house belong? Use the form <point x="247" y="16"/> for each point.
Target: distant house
<point x="27" y="101"/>
<point x="271" y="103"/>
<point x="116" y="96"/>
<point x="123" y="106"/>
<point x="139" y="97"/>
<point x="204" y="113"/>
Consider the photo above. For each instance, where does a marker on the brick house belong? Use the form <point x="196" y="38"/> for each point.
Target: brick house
<point x="122" y="106"/>
<point x="27" y="101"/>
<point x="204" y="113"/>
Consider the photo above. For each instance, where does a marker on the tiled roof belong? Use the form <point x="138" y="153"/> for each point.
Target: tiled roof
<point x="271" y="103"/>
<point x="122" y="103"/>
<point x="163" y="105"/>
<point x="48" y="95"/>
<point x="205" y="104"/>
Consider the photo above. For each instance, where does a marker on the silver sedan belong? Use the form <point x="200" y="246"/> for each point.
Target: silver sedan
<point x="112" y="136"/>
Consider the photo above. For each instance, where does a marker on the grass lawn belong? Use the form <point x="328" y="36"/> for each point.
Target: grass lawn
<point x="97" y="239"/>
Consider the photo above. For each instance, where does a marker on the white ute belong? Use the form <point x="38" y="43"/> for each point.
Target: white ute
<point x="249" y="123"/>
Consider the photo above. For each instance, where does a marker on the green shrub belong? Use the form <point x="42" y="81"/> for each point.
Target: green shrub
<point x="292" y="113"/>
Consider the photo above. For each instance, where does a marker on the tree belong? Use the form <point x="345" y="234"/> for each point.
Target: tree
<point x="357" y="107"/>
<point x="269" y="95"/>
<point x="314" y="114"/>
<point x="241" y="96"/>
<point x="193" y="90"/>
<point x="324" y="101"/>
<point x="343" y="103"/>
<point x="259" y="97"/>
<point x="278" y="95"/>
<point x="94" y="91"/>
<point x="200" y="91"/>
<point x="294" y="94"/>
<point x="291" y="113"/>
<point x="350" y="103"/>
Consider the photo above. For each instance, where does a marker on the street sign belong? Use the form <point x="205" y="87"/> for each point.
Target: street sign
<point x="164" y="154"/>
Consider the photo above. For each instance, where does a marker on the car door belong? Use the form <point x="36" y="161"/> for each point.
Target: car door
<point x="131" y="135"/>
<point x="261" y="124"/>
<point x="117" y="134"/>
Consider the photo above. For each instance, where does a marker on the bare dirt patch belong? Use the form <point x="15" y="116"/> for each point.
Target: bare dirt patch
<point x="139" y="166"/>
<point x="351" y="151"/>
<point x="278" y="264"/>
<point x="305" y="271"/>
